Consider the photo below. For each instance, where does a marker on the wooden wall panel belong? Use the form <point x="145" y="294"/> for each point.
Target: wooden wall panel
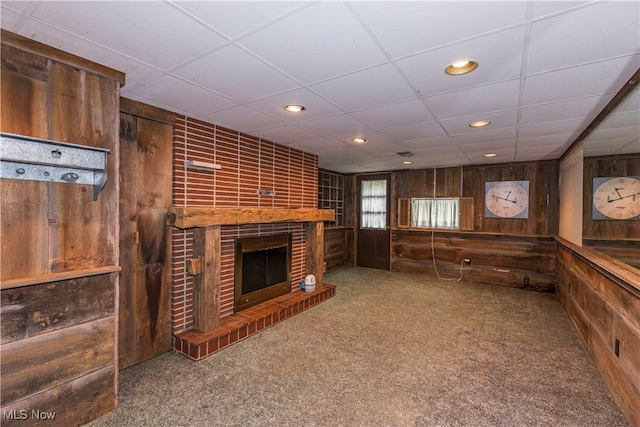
<point x="57" y="242"/>
<point x="145" y="195"/>
<point x="335" y="253"/>
<point x="527" y="263"/>
<point x="602" y="299"/>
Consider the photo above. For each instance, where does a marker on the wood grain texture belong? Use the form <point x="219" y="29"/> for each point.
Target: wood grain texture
<point x="33" y="310"/>
<point x="51" y="359"/>
<point x="190" y="217"/>
<point x="603" y="301"/>
<point x="74" y="403"/>
<point x="314" y="243"/>
<point x="206" y="286"/>
<point x="145" y="194"/>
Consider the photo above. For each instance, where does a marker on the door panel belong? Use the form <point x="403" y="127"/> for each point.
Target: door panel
<point x="145" y="194"/>
<point x="373" y="222"/>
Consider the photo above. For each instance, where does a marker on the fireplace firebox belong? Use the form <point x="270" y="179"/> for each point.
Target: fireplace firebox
<point x="262" y="269"/>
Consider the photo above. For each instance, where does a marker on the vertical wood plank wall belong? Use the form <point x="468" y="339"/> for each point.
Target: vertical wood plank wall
<point x="60" y="256"/>
<point x="248" y="164"/>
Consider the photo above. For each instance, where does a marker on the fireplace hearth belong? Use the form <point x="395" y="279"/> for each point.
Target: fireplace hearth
<point x="262" y="269"/>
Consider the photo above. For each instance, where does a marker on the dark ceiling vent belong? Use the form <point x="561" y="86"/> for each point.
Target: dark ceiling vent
<point x="405" y="154"/>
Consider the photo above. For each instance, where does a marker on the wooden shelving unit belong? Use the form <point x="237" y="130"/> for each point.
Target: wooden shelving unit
<point x="331" y="195"/>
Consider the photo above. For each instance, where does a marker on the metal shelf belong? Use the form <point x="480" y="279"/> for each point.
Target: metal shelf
<point x="34" y="159"/>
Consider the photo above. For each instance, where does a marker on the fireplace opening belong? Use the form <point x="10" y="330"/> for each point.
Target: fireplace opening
<point x="262" y="269"/>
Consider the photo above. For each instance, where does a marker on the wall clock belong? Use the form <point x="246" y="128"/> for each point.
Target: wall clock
<point x="616" y="198"/>
<point x="506" y="199"/>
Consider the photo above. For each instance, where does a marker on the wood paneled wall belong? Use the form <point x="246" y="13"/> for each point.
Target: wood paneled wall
<point x="602" y="298"/>
<point x="59" y="247"/>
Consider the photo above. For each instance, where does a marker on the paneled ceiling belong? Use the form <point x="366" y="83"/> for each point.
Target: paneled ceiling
<point x="367" y="69"/>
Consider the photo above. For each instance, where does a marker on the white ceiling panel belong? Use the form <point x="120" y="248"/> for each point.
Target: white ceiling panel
<point x="615" y="20"/>
<point x="239" y="18"/>
<point x="410" y="27"/>
<point x="141" y="28"/>
<point x="415" y="131"/>
<point x="369" y="68"/>
<point x="499" y="56"/>
<point x="236" y="74"/>
<point x="591" y="79"/>
<point x="398" y="114"/>
<point x="242" y="117"/>
<point x="317" y="43"/>
<point x="499" y="120"/>
<point x="475" y="101"/>
<point x="362" y="89"/>
<point x="181" y="96"/>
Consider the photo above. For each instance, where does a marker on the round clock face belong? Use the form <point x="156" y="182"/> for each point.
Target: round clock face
<point x="507" y="199"/>
<point x="617" y="198"/>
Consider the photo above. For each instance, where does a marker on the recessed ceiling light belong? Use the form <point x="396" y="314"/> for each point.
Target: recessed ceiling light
<point x="490" y="155"/>
<point x="359" y="140"/>
<point x="462" y="66"/>
<point x="294" y="108"/>
<point x="407" y="162"/>
<point x="480" y="123"/>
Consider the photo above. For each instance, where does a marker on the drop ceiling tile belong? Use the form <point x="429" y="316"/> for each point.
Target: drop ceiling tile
<point x="235" y="18"/>
<point x="426" y="143"/>
<point x="234" y="73"/>
<point x="152" y="32"/>
<point x="558" y="42"/>
<point x="477" y="100"/>
<point x="401" y="113"/>
<point x="543" y="152"/>
<point x="362" y="89"/>
<point x="335" y="125"/>
<point x="544" y="8"/>
<point x="11" y="19"/>
<point x="286" y="134"/>
<point x="505" y="134"/>
<point x="577" y="82"/>
<point x="409" y="27"/>
<point x="242" y="117"/>
<point x="15" y="7"/>
<point x="316" y="106"/>
<point x="499" y="120"/>
<point x="563" y="110"/>
<point x="382" y="149"/>
<point x="624" y="134"/>
<point x="321" y="41"/>
<point x="499" y="56"/>
<point x="562" y="127"/>
<point x="556" y="140"/>
<point x="177" y="95"/>
<point x="416" y="131"/>
<point x="371" y="136"/>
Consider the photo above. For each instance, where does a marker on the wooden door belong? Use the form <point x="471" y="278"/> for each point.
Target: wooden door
<point x="373" y="222"/>
<point x="145" y="195"/>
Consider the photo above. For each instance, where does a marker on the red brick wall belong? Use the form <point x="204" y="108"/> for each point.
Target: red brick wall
<point x="248" y="164"/>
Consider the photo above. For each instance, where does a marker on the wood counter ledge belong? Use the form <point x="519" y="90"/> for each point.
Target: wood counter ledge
<point x="55" y="277"/>
<point x="190" y="217"/>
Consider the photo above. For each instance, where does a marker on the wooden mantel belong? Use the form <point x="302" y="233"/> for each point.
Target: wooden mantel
<point x="191" y="217"/>
<point x="207" y="248"/>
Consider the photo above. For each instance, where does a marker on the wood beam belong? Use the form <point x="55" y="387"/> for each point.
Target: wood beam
<point x="190" y="217"/>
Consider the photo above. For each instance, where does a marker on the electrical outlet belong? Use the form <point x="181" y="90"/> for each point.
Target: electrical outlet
<point x="526" y="281"/>
<point x="467" y="261"/>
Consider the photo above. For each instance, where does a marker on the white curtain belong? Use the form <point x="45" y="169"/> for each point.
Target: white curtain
<point x="435" y="213"/>
<point x="373" y="206"/>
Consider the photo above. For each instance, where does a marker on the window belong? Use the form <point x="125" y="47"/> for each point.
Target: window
<point x="435" y="213"/>
<point x="373" y="207"/>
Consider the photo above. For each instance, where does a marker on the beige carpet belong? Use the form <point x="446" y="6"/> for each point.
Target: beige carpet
<point x="389" y="349"/>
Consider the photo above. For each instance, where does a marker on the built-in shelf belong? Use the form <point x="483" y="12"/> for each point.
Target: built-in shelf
<point x="331" y="195"/>
<point x="34" y="159"/>
<point x="205" y="166"/>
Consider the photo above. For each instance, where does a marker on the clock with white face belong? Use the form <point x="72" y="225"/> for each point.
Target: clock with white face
<point x="506" y="199"/>
<point x="616" y="198"/>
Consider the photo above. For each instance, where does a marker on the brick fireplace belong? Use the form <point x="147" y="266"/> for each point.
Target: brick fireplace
<point x="289" y="206"/>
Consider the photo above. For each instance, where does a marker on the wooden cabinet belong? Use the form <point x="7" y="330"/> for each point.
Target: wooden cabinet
<point x="59" y="256"/>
